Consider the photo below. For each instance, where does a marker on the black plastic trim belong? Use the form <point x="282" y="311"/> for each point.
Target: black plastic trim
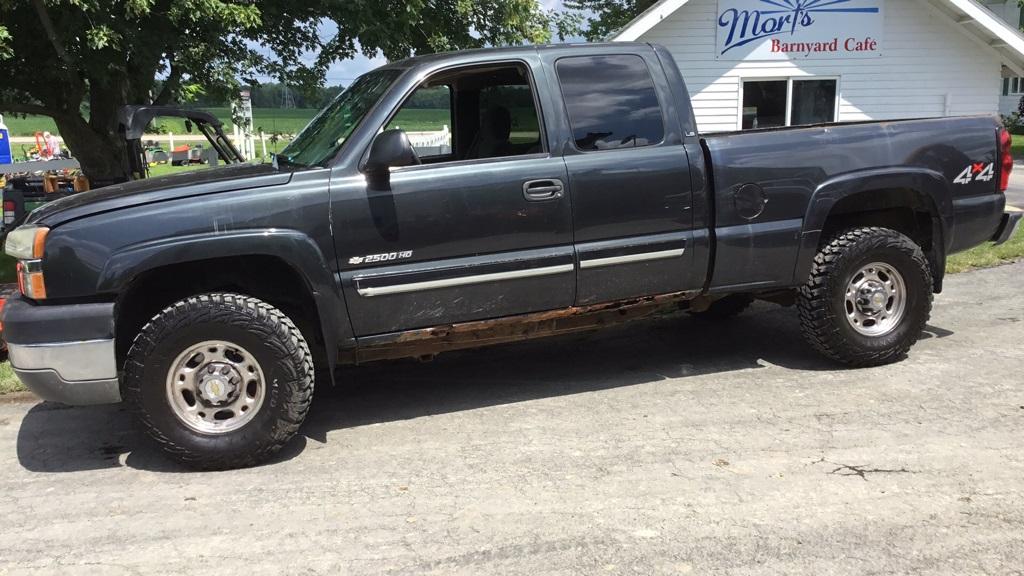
<point x="29" y="323"/>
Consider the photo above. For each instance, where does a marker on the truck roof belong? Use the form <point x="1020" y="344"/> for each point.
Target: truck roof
<point x="471" y="55"/>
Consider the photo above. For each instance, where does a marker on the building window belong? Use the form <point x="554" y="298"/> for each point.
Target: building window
<point x="611" y="102"/>
<point x="789" y="102"/>
<point x="1013" y="86"/>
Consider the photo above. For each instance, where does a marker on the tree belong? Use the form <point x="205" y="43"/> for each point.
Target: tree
<point x="79" y="61"/>
<point x="605" y="17"/>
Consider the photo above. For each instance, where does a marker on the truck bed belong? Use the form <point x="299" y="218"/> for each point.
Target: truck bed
<point x="792" y="165"/>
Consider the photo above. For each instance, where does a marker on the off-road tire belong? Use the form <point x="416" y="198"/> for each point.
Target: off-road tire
<point x="729" y="307"/>
<point x="266" y="333"/>
<point x="822" y="299"/>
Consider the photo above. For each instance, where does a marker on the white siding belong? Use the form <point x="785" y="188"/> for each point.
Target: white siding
<point x="1009" y="104"/>
<point x="928" y="67"/>
<point x="1008" y="10"/>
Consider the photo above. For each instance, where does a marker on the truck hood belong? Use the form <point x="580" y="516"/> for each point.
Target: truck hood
<point x="188" y="184"/>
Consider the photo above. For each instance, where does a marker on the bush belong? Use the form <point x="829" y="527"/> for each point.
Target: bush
<point x="1014" y="122"/>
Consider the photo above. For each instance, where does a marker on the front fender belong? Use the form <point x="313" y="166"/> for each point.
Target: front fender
<point x="930" y="186"/>
<point x="294" y="248"/>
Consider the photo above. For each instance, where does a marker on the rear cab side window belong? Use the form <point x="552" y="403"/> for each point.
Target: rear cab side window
<point x="611" y="102"/>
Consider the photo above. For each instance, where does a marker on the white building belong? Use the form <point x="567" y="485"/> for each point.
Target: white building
<point x="760" y="63"/>
<point x="1012" y="89"/>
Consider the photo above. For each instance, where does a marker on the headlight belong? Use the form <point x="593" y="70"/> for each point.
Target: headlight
<point x="26" y="242"/>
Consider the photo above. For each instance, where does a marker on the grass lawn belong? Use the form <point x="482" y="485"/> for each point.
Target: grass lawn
<point x="166" y="169"/>
<point x="1017" y="148"/>
<point x="987" y="255"/>
<point x="8" y="381"/>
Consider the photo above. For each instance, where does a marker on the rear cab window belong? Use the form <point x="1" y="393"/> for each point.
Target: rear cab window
<point x="611" y="102"/>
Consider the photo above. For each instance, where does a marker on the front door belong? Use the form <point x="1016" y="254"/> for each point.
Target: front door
<point x="482" y="229"/>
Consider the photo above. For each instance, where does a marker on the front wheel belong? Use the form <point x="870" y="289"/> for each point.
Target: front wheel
<point x="220" y="380"/>
<point x="868" y="298"/>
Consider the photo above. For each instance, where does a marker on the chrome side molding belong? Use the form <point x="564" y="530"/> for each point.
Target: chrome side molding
<point x="370" y="291"/>
<point x="631" y="258"/>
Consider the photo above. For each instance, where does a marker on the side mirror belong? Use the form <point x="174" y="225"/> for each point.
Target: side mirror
<point x="390" y="148"/>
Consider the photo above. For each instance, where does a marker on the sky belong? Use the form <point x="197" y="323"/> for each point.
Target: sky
<point x="345" y="71"/>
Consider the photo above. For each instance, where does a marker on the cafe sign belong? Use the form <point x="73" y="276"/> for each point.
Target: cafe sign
<point x="799" y="29"/>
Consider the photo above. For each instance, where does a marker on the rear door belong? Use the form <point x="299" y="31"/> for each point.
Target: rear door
<point x="482" y="229"/>
<point x="629" y="176"/>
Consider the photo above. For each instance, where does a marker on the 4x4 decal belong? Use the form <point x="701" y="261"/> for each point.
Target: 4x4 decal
<point x="977" y="171"/>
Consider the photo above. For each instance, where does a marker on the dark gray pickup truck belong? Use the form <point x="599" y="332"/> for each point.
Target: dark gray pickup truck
<point x="566" y="188"/>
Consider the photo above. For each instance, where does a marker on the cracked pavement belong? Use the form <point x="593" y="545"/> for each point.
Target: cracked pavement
<point x="672" y="446"/>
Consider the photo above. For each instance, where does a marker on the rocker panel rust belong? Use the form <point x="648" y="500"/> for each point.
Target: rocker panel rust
<point x="436" y="339"/>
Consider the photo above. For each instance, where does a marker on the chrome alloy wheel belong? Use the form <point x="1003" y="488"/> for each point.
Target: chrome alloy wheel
<point x="876" y="299"/>
<point x="215" y="387"/>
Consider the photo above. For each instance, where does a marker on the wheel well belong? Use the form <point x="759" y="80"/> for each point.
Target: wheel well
<point x="265" y="277"/>
<point x="906" y="211"/>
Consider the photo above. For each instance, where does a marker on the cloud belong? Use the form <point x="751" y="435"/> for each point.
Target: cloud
<point x="343" y="72"/>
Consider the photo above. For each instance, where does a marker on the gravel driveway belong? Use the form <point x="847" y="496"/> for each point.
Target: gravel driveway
<point x="668" y="447"/>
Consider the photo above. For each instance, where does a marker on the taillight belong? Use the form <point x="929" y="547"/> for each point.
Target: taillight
<point x="10" y="210"/>
<point x="1006" y="158"/>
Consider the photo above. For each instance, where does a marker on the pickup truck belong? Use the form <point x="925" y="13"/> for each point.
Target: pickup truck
<point x="571" y="191"/>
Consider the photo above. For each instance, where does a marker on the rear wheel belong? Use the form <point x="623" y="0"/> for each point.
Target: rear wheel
<point x="868" y="297"/>
<point x="220" y="380"/>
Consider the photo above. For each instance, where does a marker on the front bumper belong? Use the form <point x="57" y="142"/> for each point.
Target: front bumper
<point x="63" y="353"/>
<point x="1008" y="225"/>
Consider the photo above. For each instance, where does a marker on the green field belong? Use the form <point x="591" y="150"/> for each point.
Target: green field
<point x="270" y="120"/>
<point x="278" y="121"/>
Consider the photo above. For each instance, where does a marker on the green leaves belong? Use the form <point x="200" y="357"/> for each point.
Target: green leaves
<point x="61" y="57"/>
<point x="6" y="50"/>
<point x="216" y="44"/>
<point x="609" y="16"/>
<point x="101" y="36"/>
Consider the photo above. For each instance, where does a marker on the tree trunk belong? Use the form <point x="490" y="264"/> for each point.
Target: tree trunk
<point x="102" y="154"/>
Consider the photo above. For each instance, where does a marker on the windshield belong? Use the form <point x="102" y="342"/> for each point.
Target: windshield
<point x="321" y="139"/>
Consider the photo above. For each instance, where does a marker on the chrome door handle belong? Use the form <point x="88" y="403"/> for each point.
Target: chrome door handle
<point x="540" y="190"/>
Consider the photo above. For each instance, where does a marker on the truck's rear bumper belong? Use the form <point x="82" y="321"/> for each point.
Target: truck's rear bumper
<point x="1007" y="226"/>
<point x="63" y="353"/>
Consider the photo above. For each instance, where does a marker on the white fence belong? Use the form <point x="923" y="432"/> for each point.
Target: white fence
<point x="432" y="143"/>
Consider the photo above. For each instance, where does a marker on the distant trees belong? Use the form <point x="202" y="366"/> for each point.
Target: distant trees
<point x="272" y="95"/>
